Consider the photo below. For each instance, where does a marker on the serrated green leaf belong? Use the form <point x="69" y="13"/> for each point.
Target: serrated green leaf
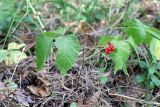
<point x="137" y="30"/>
<point x="43" y="49"/>
<point x="141" y="32"/>
<point x="104" y="40"/>
<point x="3" y="55"/>
<point x="120" y="55"/>
<point x="133" y="45"/>
<point x="68" y="50"/>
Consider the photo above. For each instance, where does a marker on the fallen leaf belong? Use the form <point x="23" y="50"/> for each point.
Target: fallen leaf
<point x="83" y="27"/>
<point x="24" y="74"/>
<point x="17" y="56"/>
<point x="39" y="91"/>
<point x="14" y="45"/>
<point x="3" y="96"/>
<point x="44" y="81"/>
<point x="8" y="61"/>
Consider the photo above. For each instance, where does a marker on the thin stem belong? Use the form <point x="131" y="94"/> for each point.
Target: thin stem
<point x="37" y="16"/>
<point x="18" y="62"/>
<point x="11" y="25"/>
<point x="21" y="18"/>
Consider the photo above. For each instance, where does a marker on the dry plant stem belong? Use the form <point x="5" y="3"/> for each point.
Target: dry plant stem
<point x="63" y="84"/>
<point x="118" y="21"/>
<point x="18" y="62"/>
<point x="34" y="11"/>
<point x="135" y="99"/>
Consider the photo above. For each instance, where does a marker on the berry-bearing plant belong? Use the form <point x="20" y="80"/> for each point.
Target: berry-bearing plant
<point x="118" y="48"/>
<point x="136" y="34"/>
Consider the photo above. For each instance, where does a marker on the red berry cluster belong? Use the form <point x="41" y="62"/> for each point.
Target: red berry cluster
<point x="110" y="48"/>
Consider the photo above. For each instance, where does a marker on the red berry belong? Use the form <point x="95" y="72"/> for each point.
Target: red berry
<point x="111" y="47"/>
<point x="107" y="51"/>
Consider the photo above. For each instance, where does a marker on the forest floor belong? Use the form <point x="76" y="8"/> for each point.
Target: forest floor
<point x="25" y="87"/>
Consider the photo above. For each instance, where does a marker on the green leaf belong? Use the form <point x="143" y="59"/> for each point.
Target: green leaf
<point x="140" y="78"/>
<point x="155" y="49"/>
<point x="137" y="30"/>
<point x="43" y="49"/>
<point x="151" y="85"/>
<point x="158" y="65"/>
<point x="155" y="80"/>
<point x="3" y="55"/>
<point x="17" y="56"/>
<point x="133" y="45"/>
<point x="15" y="46"/>
<point x="121" y="55"/>
<point x="143" y="64"/>
<point x="105" y="39"/>
<point x="155" y="33"/>
<point x="7" y="9"/>
<point x="103" y="79"/>
<point x="152" y="70"/>
<point x="68" y="50"/>
<point x="141" y="32"/>
<point x="61" y="31"/>
<point x="73" y="104"/>
<point x="52" y="35"/>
